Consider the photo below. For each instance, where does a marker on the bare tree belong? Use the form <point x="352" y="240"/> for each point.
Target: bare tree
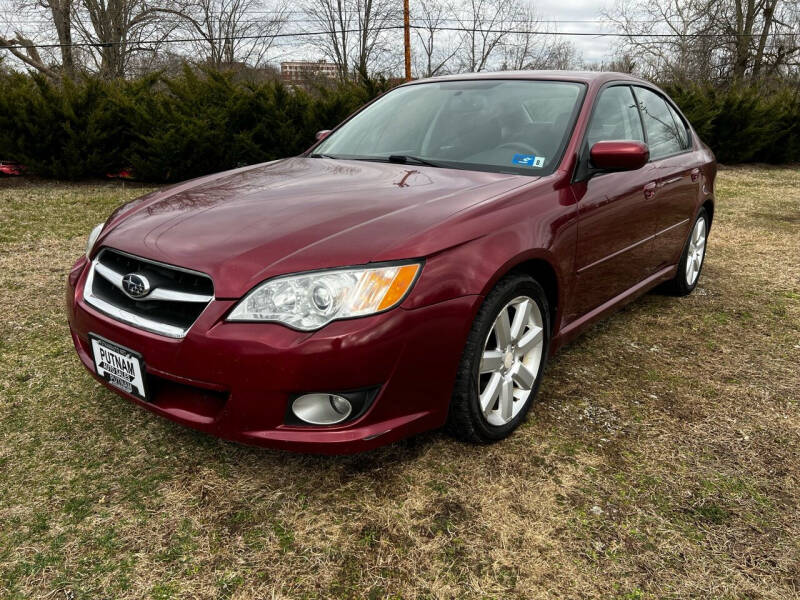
<point x="119" y="31"/>
<point x="485" y="25"/>
<point x="335" y="19"/>
<point x="755" y="27"/>
<point x="691" y="52"/>
<point x="120" y="36"/>
<point x="432" y="17"/>
<point x="60" y="13"/>
<point x="24" y="49"/>
<point x="620" y="63"/>
<point x="228" y="32"/>
<point x="529" y="46"/>
<point x="372" y="17"/>
<point x="355" y="32"/>
<point x="710" y="40"/>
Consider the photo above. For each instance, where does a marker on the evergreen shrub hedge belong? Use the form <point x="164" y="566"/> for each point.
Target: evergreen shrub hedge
<point x="172" y="129"/>
<point x="166" y="129"/>
<point x="744" y="124"/>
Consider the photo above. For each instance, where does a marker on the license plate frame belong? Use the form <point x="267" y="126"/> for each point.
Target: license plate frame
<point x="121" y="367"/>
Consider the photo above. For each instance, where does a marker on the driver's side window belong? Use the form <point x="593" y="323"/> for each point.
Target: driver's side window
<point x="615" y="117"/>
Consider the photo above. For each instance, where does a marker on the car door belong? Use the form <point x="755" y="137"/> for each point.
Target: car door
<point x="676" y="177"/>
<point x="616" y="216"/>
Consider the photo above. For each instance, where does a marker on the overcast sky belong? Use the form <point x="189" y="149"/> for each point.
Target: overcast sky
<point x="593" y="49"/>
<point x="572" y="16"/>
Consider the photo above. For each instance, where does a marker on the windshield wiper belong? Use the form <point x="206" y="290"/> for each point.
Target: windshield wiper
<point x="405" y="158"/>
<point x="393" y="158"/>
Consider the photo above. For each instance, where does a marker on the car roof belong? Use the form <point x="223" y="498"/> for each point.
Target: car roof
<point x="597" y="77"/>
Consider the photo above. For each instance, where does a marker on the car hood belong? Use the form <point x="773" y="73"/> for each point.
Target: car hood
<point x="297" y="214"/>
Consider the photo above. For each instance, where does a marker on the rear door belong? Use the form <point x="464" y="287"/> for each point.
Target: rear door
<point x="616" y="214"/>
<point x="676" y="178"/>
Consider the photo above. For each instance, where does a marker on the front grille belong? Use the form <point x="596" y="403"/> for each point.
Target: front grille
<point x="172" y="300"/>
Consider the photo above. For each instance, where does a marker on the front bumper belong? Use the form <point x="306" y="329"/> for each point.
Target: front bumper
<point x="234" y="380"/>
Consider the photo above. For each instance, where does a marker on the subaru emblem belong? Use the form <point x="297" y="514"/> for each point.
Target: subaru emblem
<point x="136" y="286"/>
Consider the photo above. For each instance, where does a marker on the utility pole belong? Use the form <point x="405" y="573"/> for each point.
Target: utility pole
<point x="407" y="33"/>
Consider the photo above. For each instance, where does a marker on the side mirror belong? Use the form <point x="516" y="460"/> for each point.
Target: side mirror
<point x="622" y="155"/>
<point x="321" y="135"/>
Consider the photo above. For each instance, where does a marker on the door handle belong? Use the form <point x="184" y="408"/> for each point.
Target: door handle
<point x="650" y="190"/>
<point x="695" y="174"/>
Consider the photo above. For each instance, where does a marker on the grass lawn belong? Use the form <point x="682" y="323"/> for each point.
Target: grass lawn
<point x="661" y="461"/>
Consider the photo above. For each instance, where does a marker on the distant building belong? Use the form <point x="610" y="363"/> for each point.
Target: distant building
<point x="301" y="71"/>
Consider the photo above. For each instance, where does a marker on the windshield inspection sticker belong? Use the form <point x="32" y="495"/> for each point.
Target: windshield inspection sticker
<point x="528" y="160"/>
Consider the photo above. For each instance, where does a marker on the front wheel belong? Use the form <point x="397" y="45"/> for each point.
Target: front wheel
<point x="691" y="262"/>
<point x="502" y="363"/>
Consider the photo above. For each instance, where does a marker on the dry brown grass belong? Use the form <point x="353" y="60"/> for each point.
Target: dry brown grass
<point x="662" y="460"/>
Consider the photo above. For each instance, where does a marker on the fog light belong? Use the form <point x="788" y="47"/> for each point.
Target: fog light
<point x="322" y="409"/>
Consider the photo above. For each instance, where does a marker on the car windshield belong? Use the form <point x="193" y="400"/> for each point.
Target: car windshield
<point x="514" y="126"/>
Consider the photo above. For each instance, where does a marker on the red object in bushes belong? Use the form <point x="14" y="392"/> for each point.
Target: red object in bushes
<point x="9" y="167"/>
<point x="121" y="174"/>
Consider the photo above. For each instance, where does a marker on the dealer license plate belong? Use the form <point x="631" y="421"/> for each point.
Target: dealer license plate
<point x="119" y="366"/>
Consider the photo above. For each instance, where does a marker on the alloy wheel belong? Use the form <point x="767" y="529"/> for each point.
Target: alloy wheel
<point x="510" y="361"/>
<point x="696" y="251"/>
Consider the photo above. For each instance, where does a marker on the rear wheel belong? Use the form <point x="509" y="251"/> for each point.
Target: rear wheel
<point x="502" y="362"/>
<point x="691" y="262"/>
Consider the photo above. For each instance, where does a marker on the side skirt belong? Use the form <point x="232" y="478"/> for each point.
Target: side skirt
<point x="576" y="327"/>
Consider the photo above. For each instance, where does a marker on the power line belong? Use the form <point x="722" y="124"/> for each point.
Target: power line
<point x="609" y="33"/>
<point x="189" y="39"/>
<point x="45" y="21"/>
<point x="352" y="11"/>
<point x="467" y="12"/>
<point x="595" y="34"/>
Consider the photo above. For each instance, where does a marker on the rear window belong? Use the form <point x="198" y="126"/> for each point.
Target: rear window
<point x="664" y="137"/>
<point x="683" y="129"/>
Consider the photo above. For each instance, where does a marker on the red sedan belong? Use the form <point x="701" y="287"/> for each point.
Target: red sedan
<point x="415" y="268"/>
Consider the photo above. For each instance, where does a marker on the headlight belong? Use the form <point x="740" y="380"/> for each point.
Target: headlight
<point x="93" y="238"/>
<point x="310" y="301"/>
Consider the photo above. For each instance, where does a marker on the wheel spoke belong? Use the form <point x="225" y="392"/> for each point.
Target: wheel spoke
<point x="510" y="360"/>
<point x="506" y="399"/>
<point x="502" y="329"/>
<point x="696" y="251"/>
<point x="522" y="376"/>
<point x="530" y="340"/>
<point x="521" y="319"/>
<point x="489" y="395"/>
<point x="491" y="361"/>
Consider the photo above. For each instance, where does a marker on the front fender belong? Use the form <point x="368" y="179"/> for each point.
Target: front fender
<point x="520" y="229"/>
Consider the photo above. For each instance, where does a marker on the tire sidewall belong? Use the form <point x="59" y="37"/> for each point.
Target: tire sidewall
<point x="516" y="286"/>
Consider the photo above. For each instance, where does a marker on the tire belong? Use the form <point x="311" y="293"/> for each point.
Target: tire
<point x="685" y="281"/>
<point x="524" y="358"/>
